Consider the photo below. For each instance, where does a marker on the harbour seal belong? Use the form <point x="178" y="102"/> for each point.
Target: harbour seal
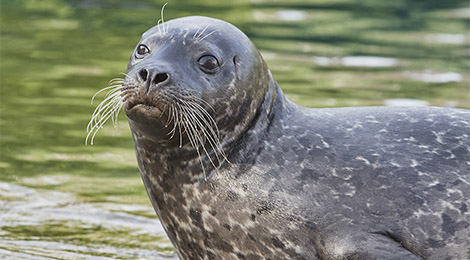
<point x="234" y="170"/>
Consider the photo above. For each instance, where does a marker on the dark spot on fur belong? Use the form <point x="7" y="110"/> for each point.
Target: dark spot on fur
<point x="253" y="217"/>
<point x="277" y="243"/>
<point x="213" y="212"/>
<point x="240" y="255"/>
<point x="212" y="187"/>
<point x="254" y="257"/>
<point x="293" y="218"/>
<point x="222" y="245"/>
<point x="211" y="255"/>
<point x="357" y="256"/>
<point x="436" y="243"/>
<point x="448" y="224"/>
<point x="195" y="215"/>
<point x="227" y="226"/>
<point x="167" y="183"/>
<point x="171" y="231"/>
<point x="463" y="208"/>
<point x="307" y="174"/>
<point x="294" y="255"/>
<point x="232" y="196"/>
<point x="439" y="187"/>
<point x="312" y="226"/>
<point x="195" y="248"/>
<point x="244" y="187"/>
<point x="417" y="200"/>
<point x="265" y="207"/>
<point x="250" y="236"/>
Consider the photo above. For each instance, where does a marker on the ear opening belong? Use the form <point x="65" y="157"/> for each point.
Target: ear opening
<point x="235" y="65"/>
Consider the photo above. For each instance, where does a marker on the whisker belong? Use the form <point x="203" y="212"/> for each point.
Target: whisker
<point x="158" y="26"/>
<point x="195" y="136"/>
<point x="202" y="101"/>
<point x="112" y="87"/>
<point x="102" y="108"/>
<point x="103" y="113"/>
<point x="204" y="135"/>
<point x="194" y="36"/>
<point x="116" y="80"/>
<point x="180" y="128"/>
<point x="201" y="130"/>
<point x="207" y="35"/>
<point x="163" y="20"/>
<point x="201" y="33"/>
<point x="211" y="125"/>
<point x="98" y="125"/>
<point x="171" y="117"/>
<point x="212" y="133"/>
<point x="108" y="108"/>
<point x="186" y="127"/>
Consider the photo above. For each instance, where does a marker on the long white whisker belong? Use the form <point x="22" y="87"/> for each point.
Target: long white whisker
<point x="108" y="108"/>
<point x="195" y="34"/>
<point x="186" y="126"/>
<point x="209" y="121"/>
<point x="97" y="126"/>
<point x="206" y="127"/>
<point x="105" y="104"/>
<point x="98" y="114"/>
<point x="158" y="26"/>
<point x="202" y="101"/>
<point x="194" y="136"/>
<point x="175" y="123"/>
<point x="116" y="87"/>
<point x="210" y="139"/>
<point x="98" y="118"/>
<point x="180" y="129"/>
<point x="201" y="33"/>
<point x="191" y="119"/>
<point x="211" y="134"/>
<point x="168" y="120"/>
<point x="163" y="20"/>
<point x="116" y="80"/>
<point x="207" y="35"/>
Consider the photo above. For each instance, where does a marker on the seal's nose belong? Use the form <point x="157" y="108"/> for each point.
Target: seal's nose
<point x="152" y="78"/>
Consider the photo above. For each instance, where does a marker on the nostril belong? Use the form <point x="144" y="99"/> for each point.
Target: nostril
<point x="161" y="77"/>
<point x="143" y="74"/>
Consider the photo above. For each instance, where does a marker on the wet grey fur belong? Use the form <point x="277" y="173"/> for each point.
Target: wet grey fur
<point x="342" y="183"/>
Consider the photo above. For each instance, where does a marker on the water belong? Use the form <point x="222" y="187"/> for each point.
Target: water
<point x="60" y="199"/>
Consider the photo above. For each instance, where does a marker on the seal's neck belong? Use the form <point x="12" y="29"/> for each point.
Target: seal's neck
<point x="272" y="111"/>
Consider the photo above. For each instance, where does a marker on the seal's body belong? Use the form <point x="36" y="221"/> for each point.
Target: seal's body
<point x="234" y="170"/>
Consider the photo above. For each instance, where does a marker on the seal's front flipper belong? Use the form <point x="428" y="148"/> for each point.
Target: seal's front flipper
<point x="364" y="246"/>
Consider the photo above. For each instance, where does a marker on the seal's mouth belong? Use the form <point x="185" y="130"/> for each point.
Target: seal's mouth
<point x="146" y="106"/>
<point x="139" y="109"/>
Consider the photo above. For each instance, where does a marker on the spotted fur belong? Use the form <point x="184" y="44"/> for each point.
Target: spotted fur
<point x="297" y="183"/>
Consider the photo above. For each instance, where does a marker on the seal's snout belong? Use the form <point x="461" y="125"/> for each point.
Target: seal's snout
<point x="151" y="78"/>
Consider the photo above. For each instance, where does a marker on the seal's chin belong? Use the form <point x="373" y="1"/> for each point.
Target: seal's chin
<point x="141" y="111"/>
<point x="147" y="120"/>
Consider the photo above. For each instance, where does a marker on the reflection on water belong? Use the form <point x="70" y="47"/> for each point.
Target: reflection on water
<point x="62" y="199"/>
<point x="429" y="76"/>
<point x="358" y="61"/>
<point x="405" y="102"/>
<point x="37" y="224"/>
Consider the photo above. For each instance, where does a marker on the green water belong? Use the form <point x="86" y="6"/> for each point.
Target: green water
<point x="60" y="199"/>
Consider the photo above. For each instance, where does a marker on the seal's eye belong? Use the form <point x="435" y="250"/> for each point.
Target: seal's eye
<point x="209" y="63"/>
<point x="142" y="50"/>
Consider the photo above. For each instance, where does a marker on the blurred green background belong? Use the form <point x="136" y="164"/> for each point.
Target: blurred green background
<point x="60" y="199"/>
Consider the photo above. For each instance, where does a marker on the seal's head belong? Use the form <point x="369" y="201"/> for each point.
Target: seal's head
<point x="192" y="81"/>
